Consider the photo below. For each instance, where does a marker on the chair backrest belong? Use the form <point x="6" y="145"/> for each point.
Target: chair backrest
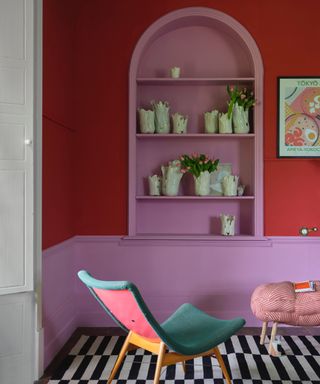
<point x="123" y="302"/>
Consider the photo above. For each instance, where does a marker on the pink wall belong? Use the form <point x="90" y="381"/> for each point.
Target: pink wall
<point x="218" y="277"/>
<point x="59" y="301"/>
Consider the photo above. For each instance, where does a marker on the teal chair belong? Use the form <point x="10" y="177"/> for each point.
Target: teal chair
<point x="186" y="334"/>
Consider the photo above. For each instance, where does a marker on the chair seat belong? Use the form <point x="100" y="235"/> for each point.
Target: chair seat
<point x="191" y="331"/>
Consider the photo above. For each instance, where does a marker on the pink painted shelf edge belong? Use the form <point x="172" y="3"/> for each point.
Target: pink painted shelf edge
<point x="195" y="135"/>
<point x="192" y="80"/>
<point x="192" y="197"/>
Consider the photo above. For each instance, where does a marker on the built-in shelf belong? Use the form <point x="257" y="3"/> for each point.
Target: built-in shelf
<point x="195" y="197"/>
<point x="222" y="54"/>
<point x="195" y="135"/>
<point x="193" y="80"/>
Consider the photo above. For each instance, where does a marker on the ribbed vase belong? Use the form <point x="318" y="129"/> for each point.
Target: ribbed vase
<point x="202" y="184"/>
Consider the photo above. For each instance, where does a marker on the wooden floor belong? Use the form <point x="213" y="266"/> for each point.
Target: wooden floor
<point x="113" y="331"/>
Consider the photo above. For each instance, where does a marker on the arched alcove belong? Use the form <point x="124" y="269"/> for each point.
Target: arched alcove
<point x="213" y="50"/>
<point x="199" y="49"/>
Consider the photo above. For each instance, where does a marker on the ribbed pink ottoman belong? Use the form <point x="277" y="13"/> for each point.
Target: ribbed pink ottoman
<point x="278" y="302"/>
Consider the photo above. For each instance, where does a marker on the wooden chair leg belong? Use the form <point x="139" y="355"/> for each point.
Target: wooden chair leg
<point x="222" y="365"/>
<point x="162" y="351"/>
<point x="120" y="358"/>
<point x="273" y="336"/>
<point x="184" y="366"/>
<point x="263" y="332"/>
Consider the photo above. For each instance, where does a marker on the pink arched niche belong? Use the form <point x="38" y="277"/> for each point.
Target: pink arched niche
<point x="205" y="43"/>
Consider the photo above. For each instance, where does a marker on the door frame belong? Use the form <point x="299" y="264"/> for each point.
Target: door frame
<point x="38" y="72"/>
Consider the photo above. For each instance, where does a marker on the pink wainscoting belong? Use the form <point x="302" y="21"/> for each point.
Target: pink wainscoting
<point x="217" y="276"/>
<point x="59" y="315"/>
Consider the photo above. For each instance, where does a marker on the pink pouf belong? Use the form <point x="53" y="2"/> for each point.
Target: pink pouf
<point x="278" y="302"/>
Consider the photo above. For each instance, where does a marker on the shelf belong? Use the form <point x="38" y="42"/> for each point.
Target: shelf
<point x="195" y="135"/>
<point x="202" y="87"/>
<point x="196" y="240"/>
<point x="195" y="197"/>
<point x="192" y="80"/>
<point x="167" y="236"/>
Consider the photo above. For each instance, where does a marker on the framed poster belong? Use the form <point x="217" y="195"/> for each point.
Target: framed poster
<point x="298" y="117"/>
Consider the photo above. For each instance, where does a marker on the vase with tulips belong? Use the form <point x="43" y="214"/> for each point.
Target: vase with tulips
<point x="200" y="166"/>
<point x="241" y="100"/>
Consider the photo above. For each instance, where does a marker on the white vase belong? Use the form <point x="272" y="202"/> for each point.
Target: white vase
<point x="146" y="118"/>
<point x="171" y="176"/>
<point x="202" y="184"/>
<point x="241" y="189"/>
<point x="161" y="116"/>
<point x="175" y="72"/>
<point x="225" y="124"/>
<point x="240" y="118"/>
<point x="211" y="121"/>
<point x="179" y="123"/>
<point x="227" y="225"/>
<point x="230" y="185"/>
<point x="154" y="185"/>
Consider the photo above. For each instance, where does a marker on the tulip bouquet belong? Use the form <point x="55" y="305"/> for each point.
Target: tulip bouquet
<point x="197" y="163"/>
<point x="242" y="97"/>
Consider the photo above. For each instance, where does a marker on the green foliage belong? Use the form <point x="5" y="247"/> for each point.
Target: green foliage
<point x="197" y="163"/>
<point x="238" y="96"/>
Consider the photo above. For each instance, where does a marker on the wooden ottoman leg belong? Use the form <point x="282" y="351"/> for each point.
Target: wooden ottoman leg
<point x="263" y="332"/>
<point x="271" y="350"/>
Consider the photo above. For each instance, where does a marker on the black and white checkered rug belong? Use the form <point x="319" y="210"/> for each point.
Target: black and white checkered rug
<point x="92" y="358"/>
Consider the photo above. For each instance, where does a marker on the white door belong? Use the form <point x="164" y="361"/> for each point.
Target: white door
<point x="19" y="185"/>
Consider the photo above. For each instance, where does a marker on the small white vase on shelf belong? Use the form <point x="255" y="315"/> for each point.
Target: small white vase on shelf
<point x="230" y="185"/>
<point x="179" y="123"/>
<point x="171" y="176"/>
<point x="211" y="121"/>
<point x="225" y="124"/>
<point x="154" y="185"/>
<point x="202" y="184"/>
<point x="241" y="189"/>
<point x="175" y="72"/>
<point x="240" y="118"/>
<point x="161" y="115"/>
<point x="227" y="224"/>
<point x="146" y="118"/>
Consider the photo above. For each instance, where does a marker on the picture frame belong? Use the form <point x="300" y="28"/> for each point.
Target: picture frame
<point x="298" y="117"/>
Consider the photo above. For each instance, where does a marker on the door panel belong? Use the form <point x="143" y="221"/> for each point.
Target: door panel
<point x="12" y="22"/>
<point x="19" y="111"/>
<point x="16" y="339"/>
<point x="12" y="228"/>
<point x="16" y="145"/>
<point x="12" y="146"/>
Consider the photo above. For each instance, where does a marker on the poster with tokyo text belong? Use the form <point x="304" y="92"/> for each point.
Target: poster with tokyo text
<point x="298" y="116"/>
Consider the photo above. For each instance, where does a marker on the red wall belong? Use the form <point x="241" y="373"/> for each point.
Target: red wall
<point x="105" y="35"/>
<point x="58" y="122"/>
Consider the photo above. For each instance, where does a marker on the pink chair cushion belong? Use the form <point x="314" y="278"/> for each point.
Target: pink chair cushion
<point x="279" y="302"/>
<point x="124" y="307"/>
